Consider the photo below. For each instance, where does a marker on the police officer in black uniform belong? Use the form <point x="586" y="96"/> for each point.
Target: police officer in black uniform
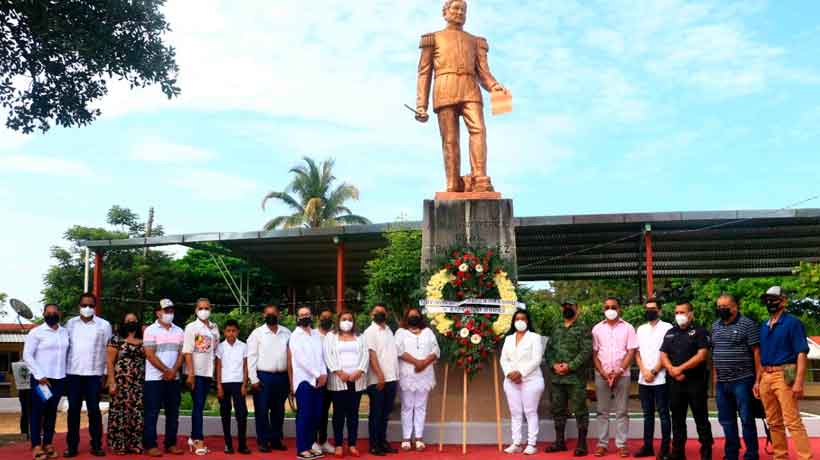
<point x="684" y="353"/>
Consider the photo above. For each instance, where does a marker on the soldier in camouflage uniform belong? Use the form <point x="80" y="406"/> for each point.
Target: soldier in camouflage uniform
<point x="569" y="351"/>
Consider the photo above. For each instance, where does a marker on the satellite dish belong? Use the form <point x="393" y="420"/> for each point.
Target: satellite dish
<point x="21" y="309"/>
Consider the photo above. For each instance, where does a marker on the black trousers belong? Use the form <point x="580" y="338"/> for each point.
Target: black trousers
<point x="86" y="388"/>
<point x="321" y="430"/>
<point x="233" y="394"/>
<point x="346" y="411"/>
<point x="690" y="393"/>
<point x="25" y="409"/>
<point x="381" y="404"/>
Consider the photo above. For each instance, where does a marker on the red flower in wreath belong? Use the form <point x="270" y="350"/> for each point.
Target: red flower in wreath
<point x="467" y="311"/>
<point x="460" y="362"/>
<point x="488" y="316"/>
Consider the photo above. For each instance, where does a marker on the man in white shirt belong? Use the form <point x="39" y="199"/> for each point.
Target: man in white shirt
<point x="162" y="342"/>
<point x="309" y="379"/>
<point x="268" y="374"/>
<point x="652" y="388"/>
<point x="45" y="354"/>
<point x="382" y="380"/>
<point x="231" y="380"/>
<point x="88" y="337"/>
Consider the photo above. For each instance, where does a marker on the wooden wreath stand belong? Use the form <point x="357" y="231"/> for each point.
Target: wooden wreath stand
<point x="494" y="359"/>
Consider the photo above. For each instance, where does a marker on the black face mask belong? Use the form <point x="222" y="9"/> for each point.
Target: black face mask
<point x="414" y="321"/>
<point x="51" y="319"/>
<point x="724" y="313"/>
<point x="271" y="320"/>
<point x="305" y="321"/>
<point x="380" y="318"/>
<point x="568" y="313"/>
<point x="130" y="327"/>
<point x="773" y="306"/>
<point x="651" y="315"/>
<point x="326" y="323"/>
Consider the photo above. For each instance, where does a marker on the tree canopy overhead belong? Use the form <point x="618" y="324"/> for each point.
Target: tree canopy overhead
<point x="56" y="57"/>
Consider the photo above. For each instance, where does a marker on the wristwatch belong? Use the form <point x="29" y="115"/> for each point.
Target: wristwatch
<point x="654" y="372"/>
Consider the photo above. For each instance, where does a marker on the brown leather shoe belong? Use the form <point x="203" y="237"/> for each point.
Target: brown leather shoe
<point x="600" y="451"/>
<point x="174" y="450"/>
<point x="623" y="452"/>
<point x="154" y="452"/>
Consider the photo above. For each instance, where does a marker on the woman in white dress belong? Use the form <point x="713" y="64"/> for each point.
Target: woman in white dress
<point x="418" y="350"/>
<point x="523" y="383"/>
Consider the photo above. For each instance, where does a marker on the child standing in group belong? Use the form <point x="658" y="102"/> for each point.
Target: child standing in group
<point x="231" y="379"/>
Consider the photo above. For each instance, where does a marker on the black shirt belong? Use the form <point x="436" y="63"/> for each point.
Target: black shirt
<point x="680" y="345"/>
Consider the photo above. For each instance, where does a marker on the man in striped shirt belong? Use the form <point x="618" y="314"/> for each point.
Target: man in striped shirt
<point x="736" y="357"/>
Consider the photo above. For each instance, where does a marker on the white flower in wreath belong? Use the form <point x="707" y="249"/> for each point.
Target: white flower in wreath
<point x="479" y="268"/>
<point x="475" y="339"/>
<point x="463" y="267"/>
<point x="464" y="333"/>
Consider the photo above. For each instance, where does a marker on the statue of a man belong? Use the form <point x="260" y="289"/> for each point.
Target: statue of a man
<point x="459" y="62"/>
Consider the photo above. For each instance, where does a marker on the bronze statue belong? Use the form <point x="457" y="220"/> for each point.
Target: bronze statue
<point x="459" y="61"/>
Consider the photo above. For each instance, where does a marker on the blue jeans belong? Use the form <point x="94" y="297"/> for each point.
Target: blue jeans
<point x="381" y="404"/>
<point x="655" y="397"/>
<point x="202" y="385"/>
<point x="84" y="388"/>
<point x="44" y="413"/>
<point x="269" y="407"/>
<point x="161" y="394"/>
<point x="733" y="398"/>
<point x="309" y="402"/>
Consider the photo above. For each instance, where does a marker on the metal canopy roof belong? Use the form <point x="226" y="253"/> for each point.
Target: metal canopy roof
<point x="699" y="243"/>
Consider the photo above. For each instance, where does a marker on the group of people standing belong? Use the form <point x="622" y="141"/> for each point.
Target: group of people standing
<point x="334" y="364"/>
<point x="751" y="363"/>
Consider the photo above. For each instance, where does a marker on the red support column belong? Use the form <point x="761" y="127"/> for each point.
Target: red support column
<point x="340" y="277"/>
<point x="98" y="279"/>
<point x="650" y="274"/>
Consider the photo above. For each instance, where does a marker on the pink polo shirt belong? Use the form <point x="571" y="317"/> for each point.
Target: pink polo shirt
<point x="613" y="342"/>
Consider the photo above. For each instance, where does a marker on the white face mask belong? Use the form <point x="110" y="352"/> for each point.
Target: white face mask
<point x="682" y="320"/>
<point x="87" y="312"/>
<point x="611" y="315"/>
<point x="203" y="314"/>
<point x="167" y="318"/>
<point x="520" y="325"/>
<point x="346" y="326"/>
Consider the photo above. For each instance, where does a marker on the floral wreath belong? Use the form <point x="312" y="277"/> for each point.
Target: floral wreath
<point x="471" y="274"/>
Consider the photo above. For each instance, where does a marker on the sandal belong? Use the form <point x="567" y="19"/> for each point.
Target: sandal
<point x="37" y="453"/>
<point x="405" y="446"/>
<point x="50" y="452"/>
<point x="197" y="447"/>
<point x="420" y="446"/>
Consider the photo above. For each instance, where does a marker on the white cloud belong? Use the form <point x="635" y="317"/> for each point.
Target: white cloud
<point x="214" y="185"/>
<point x="43" y="165"/>
<point x="165" y="152"/>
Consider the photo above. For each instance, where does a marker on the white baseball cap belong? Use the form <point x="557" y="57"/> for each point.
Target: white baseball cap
<point x="775" y="291"/>
<point x="165" y="303"/>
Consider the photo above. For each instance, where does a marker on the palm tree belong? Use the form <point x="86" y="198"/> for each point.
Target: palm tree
<point x="314" y="202"/>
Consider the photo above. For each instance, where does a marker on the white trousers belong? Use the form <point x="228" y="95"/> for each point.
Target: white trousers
<point x="413" y="413"/>
<point x="523" y="399"/>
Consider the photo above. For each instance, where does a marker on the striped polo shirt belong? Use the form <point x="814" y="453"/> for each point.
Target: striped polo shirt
<point x="732" y="348"/>
<point x="166" y="343"/>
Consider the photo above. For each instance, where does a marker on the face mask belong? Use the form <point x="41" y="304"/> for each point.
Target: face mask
<point x="568" y="313"/>
<point x="51" y="319"/>
<point x="651" y="315"/>
<point x="271" y="320"/>
<point x="86" y="311"/>
<point x="611" y="314"/>
<point x="203" y="314"/>
<point x="326" y="324"/>
<point x="304" y="321"/>
<point x="380" y="317"/>
<point x="773" y="306"/>
<point x="724" y="313"/>
<point x="414" y="321"/>
<point x="130" y="327"/>
<point x="682" y="320"/>
<point x="346" y="326"/>
<point x="167" y="318"/>
<point x="520" y="325"/>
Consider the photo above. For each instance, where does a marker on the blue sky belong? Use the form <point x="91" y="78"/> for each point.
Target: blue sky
<point x="657" y="105"/>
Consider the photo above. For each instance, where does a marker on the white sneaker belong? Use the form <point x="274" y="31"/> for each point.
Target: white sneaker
<point x="513" y="449"/>
<point x="327" y="448"/>
<point x="316" y="449"/>
<point x="530" y="450"/>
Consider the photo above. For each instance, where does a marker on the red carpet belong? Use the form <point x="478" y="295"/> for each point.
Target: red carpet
<point x="20" y="451"/>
